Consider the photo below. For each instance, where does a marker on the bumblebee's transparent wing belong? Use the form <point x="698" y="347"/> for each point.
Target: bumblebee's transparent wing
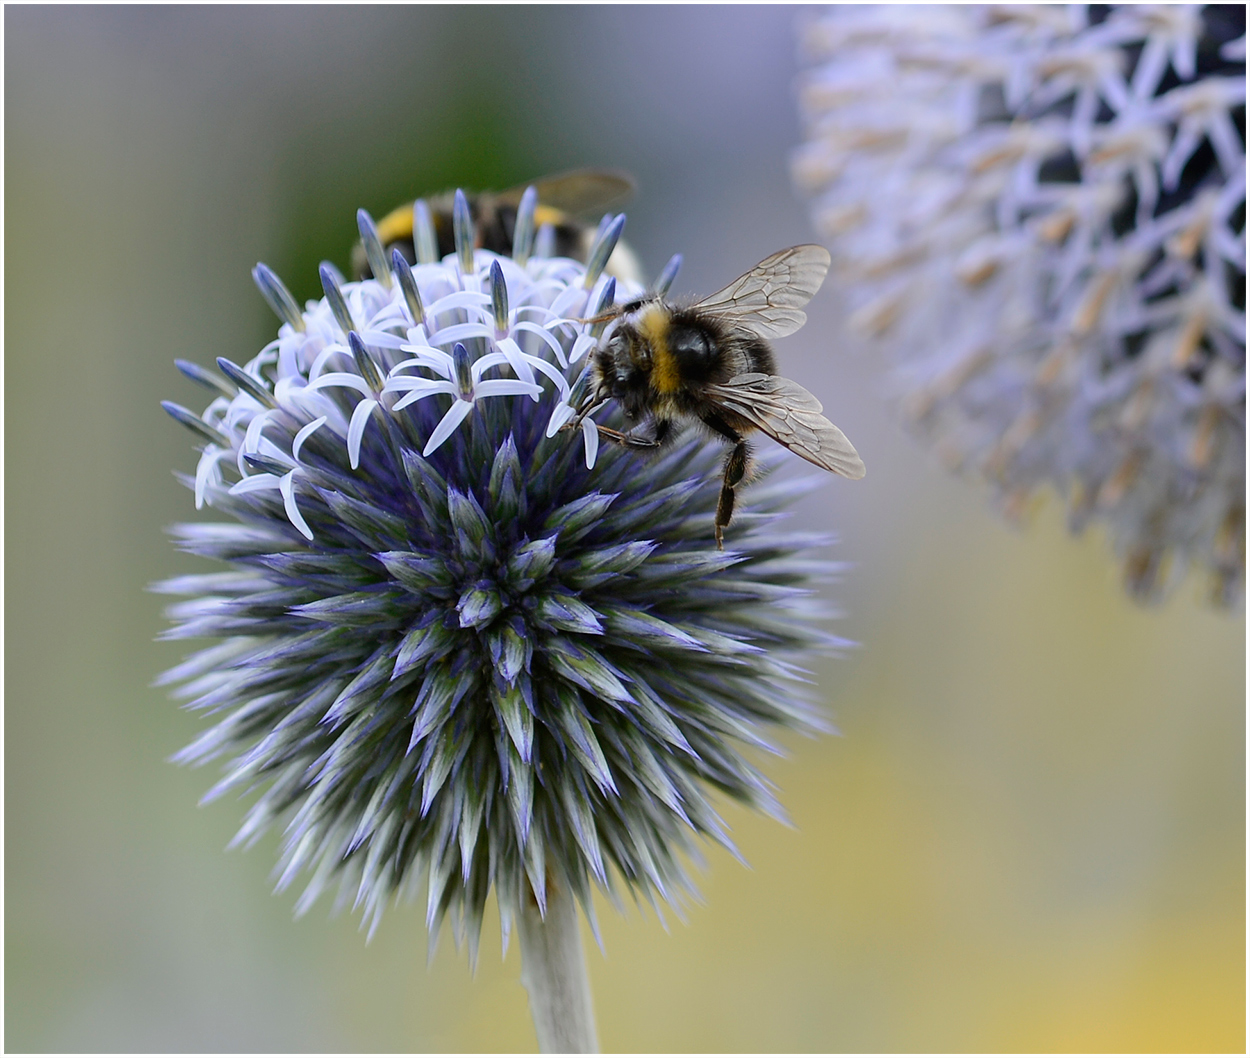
<point x="790" y="415"/>
<point x="576" y="193"/>
<point x="768" y="301"/>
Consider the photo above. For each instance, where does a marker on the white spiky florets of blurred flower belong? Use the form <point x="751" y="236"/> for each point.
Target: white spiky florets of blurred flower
<point x="1041" y="212"/>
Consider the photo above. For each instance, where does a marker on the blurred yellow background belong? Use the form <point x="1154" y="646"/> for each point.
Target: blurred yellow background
<point x="1031" y="833"/>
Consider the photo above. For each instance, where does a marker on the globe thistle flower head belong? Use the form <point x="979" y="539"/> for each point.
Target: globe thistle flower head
<point x="459" y="647"/>
<point x="1041" y="210"/>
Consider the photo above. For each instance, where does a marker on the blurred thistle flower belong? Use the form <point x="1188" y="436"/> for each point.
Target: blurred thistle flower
<point x="1042" y="211"/>
<point x="461" y="648"/>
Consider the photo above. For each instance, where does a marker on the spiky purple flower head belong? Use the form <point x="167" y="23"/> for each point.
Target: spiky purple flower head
<point x="460" y="647"/>
<point x="1040" y="210"/>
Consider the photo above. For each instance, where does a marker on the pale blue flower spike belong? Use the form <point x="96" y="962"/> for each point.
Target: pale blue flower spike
<point x="424" y="238"/>
<point x="499" y="298"/>
<point x="456" y="414"/>
<point x="246" y="382"/>
<point x="304" y="433"/>
<point x="193" y="422"/>
<point x="408" y="286"/>
<point x="333" y="269"/>
<point x="602" y="250"/>
<point x="287" y="488"/>
<point x="607" y="298"/>
<point x="206" y="378"/>
<point x="274" y="291"/>
<point x="666" y="277"/>
<point x="590" y="439"/>
<point x="545" y="242"/>
<point x="523" y="231"/>
<point x="581" y="386"/>
<point x="373" y="248"/>
<point x="462" y="368"/>
<point x="356" y="429"/>
<point x="462" y="232"/>
<point x="365" y="363"/>
<point x="331" y="283"/>
<point x="264" y="464"/>
<point x="560" y="414"/>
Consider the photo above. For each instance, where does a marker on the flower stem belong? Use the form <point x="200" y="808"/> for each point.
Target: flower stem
<point x="553" y="971"/>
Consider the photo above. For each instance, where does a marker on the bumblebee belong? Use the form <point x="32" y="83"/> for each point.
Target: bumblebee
<point x="666" y="363"/>
<point x="565" y="202"/>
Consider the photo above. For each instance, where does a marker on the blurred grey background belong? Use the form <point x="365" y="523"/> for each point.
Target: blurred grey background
<point x="1030" y="835"/>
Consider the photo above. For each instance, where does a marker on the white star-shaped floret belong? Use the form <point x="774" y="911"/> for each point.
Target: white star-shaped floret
<point x="461" y="379"/>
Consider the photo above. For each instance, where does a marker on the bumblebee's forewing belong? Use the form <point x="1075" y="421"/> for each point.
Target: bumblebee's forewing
<point x="576" y="193"/>
<point x="768" y="301"/>
<point x="790" y="415"/>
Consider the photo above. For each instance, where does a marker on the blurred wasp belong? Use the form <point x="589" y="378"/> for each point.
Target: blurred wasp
<point x="565" y="203"/>
<point x="711" y="362"/>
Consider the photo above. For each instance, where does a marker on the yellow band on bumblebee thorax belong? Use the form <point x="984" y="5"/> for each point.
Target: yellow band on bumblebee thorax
<point x="653" y="326"/>
<point x="397" y="224"/>
<point x="549" y="215"/>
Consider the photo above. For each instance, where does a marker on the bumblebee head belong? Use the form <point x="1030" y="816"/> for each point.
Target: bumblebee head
<point x="613" y="350"/>
<point x="622" y="363"/>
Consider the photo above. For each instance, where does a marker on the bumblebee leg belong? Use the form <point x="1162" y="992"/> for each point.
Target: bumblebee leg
<point x="629" y="440"/>
<point x="589" y="407"/>
<point x="735" y="470"/>
<point x="632" y="440"/>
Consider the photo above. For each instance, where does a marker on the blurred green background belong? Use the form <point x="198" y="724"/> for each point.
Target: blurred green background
<point x="1031" y="834"/>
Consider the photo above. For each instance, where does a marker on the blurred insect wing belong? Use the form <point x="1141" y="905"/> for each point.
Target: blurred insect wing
<point x="579" y="193"/>
<point x="768" y="301"/>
